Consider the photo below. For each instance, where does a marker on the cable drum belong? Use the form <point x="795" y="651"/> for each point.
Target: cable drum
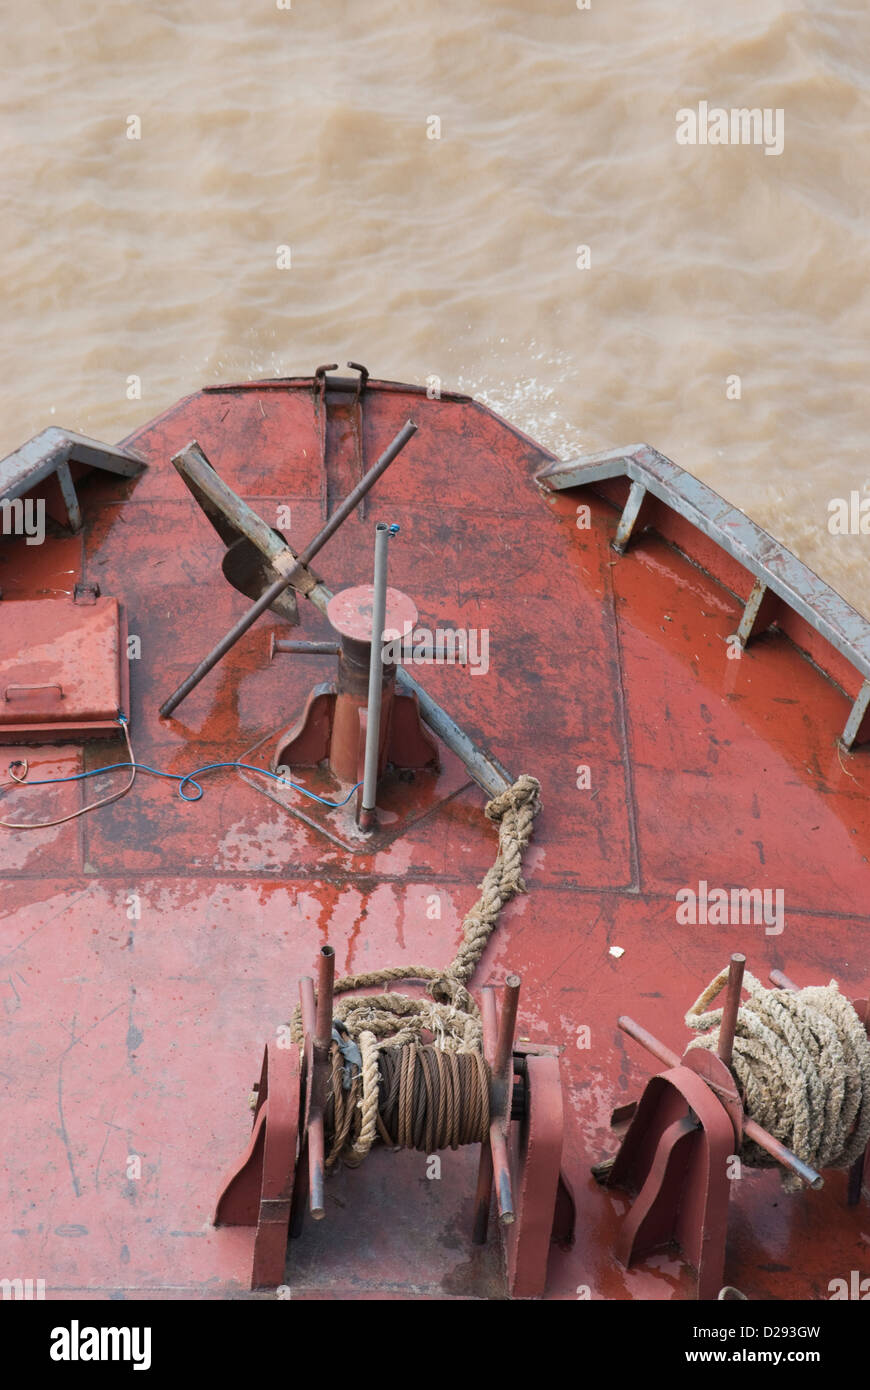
<point x="801" y="1059"/>
<point x="425" y="1098"/>
<point x="390" y="1083"/>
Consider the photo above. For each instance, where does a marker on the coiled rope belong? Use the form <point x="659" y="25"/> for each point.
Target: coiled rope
<point x="385" y="1083"/>
<point x="801" y="1060"/>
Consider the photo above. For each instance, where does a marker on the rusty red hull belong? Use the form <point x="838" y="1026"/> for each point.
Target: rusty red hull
<point x="150" y="949"/>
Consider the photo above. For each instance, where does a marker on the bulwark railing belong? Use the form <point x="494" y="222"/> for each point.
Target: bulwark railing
<point x="782" y="583"/>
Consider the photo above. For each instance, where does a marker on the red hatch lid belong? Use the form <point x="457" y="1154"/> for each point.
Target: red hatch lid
<point x="59" y="662"/>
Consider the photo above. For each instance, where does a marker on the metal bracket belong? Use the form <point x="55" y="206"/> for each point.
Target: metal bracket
<point x="52" y="452"/>
<point x="332" y="488"/>
<point x="86" y="593"/>
<point x="758" y="612"/>
<point x="631" y="511"/>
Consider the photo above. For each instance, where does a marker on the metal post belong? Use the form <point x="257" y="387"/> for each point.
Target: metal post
<point x="483" y="1195"/>
<point x="728" y="1025"/>
<point x="367" y="814"/>
<point x="282" y="644"/>
<point x="782" y="980"/>
<point x="323" y="1018"/>
<point x="504" y="1048"/>
<point x="319" y="1081"/>
<point x="502" y="1088"/>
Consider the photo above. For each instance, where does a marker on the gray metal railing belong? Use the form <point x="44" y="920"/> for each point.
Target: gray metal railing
<point x="776" y="570"/>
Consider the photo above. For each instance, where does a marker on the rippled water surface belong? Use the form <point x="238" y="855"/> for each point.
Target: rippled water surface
<point x="456" y="257"/>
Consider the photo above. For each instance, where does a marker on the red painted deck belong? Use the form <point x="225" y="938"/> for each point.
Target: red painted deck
<point x="150" y="948"/>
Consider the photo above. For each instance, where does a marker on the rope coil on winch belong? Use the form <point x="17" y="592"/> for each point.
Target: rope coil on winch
<point x="427" y="1099"/>
<point x="385" y="1083"/>
<point x="801" y="1059"/>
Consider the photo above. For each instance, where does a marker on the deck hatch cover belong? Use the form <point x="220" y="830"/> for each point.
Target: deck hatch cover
<point x="60" y="667"/>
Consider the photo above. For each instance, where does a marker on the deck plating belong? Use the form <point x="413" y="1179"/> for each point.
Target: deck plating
<point x="143" y="948"/>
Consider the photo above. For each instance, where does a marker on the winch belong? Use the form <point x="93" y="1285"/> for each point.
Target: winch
<point x="503" y="1095"/>
<point x="804" y="1067"/>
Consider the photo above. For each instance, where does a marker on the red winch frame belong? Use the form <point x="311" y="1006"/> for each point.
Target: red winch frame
<point x="677" y="1142"/>
<point x="282" y="1168"/>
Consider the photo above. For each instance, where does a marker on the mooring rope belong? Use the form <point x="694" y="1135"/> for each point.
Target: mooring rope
<point x="395" y="1088"/>
<point x="801" y="1060"/>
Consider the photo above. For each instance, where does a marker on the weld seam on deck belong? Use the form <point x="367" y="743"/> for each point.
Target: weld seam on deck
<point x="562" y="885"/>
<point x="631" y="808"/>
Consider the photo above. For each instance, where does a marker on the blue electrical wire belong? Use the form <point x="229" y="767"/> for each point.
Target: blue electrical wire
<point x="190" y="777"/>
